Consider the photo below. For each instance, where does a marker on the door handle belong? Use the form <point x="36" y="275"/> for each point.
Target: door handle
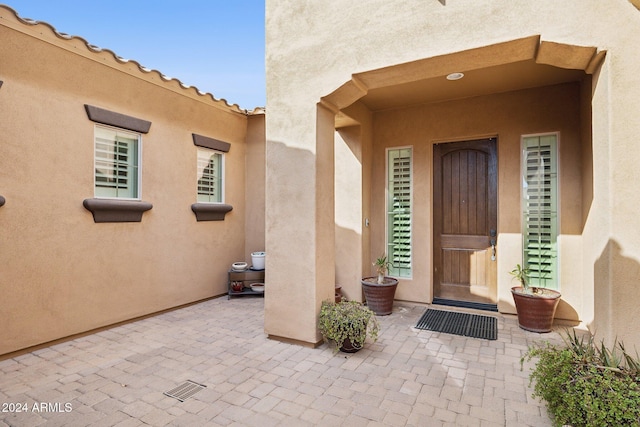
<point x="492" y="242"/>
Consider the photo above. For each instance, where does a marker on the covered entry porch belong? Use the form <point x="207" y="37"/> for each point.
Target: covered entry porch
<point x="510" y="91"/>
<point x="463" y="121"/>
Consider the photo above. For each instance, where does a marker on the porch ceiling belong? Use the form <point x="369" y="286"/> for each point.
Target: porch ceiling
<point x="503" y="67"/>
<point x="496" y="79"/>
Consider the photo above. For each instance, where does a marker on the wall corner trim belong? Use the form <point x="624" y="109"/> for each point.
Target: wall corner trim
<point x="110" y="210"/>
<point x="214" y="144"/>
<point x="2" y="201"/>
<point x="210" y="211"/>
<point x="106" y="117"/>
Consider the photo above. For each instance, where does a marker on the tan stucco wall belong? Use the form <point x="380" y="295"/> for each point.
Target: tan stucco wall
<point x="301" y="70"/>
<point x="349" y="214"/>
<point x="62" y="273"/>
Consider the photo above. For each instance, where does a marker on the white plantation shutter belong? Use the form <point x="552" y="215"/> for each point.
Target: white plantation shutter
<point x="399" y="211"/>
<point x="540" y="209"/>
<point x="209" y="176"/>
<point x="116" y="163"/>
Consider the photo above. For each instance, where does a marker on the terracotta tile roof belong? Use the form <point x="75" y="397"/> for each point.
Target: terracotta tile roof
<point x="132" y="67"/>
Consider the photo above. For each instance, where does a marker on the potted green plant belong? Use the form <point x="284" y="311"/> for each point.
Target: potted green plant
<point x="536" y="306"/>
<point x="347" y="324"/>
<point x="380" y="291"/>
<point x="382" y="265"/>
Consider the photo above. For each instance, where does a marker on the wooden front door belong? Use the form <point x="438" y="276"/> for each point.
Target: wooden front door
<point x="465" y="181"/>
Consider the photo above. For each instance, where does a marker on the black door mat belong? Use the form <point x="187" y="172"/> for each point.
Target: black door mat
<point x="464" y="324"/>
<point x="465" y="304"/>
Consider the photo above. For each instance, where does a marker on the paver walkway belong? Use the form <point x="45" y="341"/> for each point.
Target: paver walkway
<point x="409" y="377"/>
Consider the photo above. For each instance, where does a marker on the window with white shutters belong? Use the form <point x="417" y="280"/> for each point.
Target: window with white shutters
<point x="210" y="176"/>
<point x="540" y="208"/>
<point x="117" y="163"/>
<point x="399" y="182"/>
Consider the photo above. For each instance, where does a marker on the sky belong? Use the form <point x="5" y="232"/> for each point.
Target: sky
<point x="215" y="45"/>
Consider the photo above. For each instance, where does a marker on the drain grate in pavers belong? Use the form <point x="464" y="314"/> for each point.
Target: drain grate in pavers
<point x="465" y="324"/>
<point x="185" y="390"/>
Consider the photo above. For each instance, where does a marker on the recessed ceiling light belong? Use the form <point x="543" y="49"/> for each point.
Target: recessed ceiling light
<point x="455" y="76"/>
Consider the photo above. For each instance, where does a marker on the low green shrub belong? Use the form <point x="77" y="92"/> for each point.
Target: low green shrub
<point x="585" y="384"/>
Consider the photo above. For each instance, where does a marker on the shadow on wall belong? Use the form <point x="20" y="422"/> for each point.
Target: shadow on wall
<point x="295" y="196"/>
<point x="352" y="207"/>
<point x="616" y="296"/>
<point x="348" y="263"/>
<point x="567" y="314"/>
<point x="290" y="221"/>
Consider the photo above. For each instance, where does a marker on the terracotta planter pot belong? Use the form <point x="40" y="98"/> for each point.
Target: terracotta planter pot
<point x="536" y="311"/>
<point x="380" y="296"/>
<point x="347" y="347"/>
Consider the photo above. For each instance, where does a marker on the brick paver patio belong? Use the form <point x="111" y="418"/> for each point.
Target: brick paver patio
<point x="409" y="377"/>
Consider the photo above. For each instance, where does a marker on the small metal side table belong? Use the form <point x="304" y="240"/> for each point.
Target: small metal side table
<point x="247" y="277"/>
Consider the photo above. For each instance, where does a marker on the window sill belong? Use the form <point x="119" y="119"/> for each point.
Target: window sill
<point x="109" y="210"/>
<point x="210" y="211"/>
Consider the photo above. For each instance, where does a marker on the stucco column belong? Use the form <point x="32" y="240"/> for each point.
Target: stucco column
<point x="300" y="260"/>
<point x="353" y="151"/>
